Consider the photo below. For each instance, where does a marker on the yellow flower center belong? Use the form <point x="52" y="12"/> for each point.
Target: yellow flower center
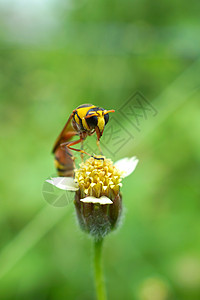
<point x="97" y="177"/>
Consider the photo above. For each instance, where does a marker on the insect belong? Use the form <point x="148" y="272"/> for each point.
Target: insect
<point x="84" y="121"/>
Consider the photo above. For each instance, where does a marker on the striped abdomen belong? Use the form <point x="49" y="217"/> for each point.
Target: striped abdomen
<point x="64" y="162"/>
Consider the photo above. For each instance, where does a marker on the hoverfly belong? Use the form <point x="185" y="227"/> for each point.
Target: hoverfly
<point x="84" y="121"/>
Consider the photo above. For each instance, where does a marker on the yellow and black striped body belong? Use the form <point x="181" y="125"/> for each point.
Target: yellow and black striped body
<point x="79" y="122"/>
<point x="83" y="116"/>
<point x="64" y="162"/>
<point x="85" y="120"/>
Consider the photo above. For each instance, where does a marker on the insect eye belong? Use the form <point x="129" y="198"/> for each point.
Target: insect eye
<point x="92" y="121"/>
<point x="106" y="118"/>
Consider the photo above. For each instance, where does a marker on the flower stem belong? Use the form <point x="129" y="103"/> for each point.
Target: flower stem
<point x="99" y="278"/>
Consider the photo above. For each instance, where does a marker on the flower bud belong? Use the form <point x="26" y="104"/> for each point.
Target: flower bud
<point x="98" y="219"/>
<point x="98" y="201"/>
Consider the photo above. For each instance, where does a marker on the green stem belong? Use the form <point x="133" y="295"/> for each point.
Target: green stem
<point x="99" y="278"/>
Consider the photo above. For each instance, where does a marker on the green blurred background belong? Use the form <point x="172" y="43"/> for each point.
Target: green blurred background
<point x="56" y="55"/>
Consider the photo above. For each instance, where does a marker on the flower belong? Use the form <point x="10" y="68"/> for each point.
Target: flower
<point x="97" y="184"/>
<point x="97" y="176"/>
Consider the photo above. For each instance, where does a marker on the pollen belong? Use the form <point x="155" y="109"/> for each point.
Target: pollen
<point x="98" y="177"/>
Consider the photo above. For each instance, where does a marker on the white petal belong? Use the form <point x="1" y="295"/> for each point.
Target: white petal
<point x="102" y="200"/>
<point x="105" y="200"/>
<point x="126" y="165"/>
<point x="64" y="183"/>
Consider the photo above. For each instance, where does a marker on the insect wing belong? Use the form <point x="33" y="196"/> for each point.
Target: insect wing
<point x="66" y="134"/>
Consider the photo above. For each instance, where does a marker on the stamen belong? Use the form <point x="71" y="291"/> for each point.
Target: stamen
<point x="98" y="177"/>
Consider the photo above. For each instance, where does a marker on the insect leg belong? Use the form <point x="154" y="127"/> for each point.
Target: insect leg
<point x="82" y="150"/>
<point x="98" y="145"/>
<point x="70" y="144"/>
